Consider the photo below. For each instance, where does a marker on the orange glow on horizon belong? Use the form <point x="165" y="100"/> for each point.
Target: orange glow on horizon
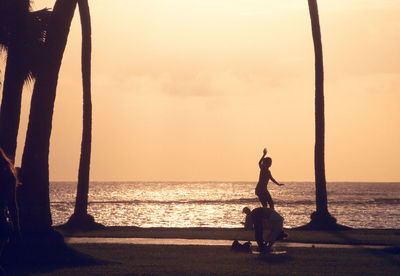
<point x="194" y="90"/>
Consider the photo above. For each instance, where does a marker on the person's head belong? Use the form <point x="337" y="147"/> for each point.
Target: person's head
<point x="246" y="210"/>
<point x="267" y="162"/>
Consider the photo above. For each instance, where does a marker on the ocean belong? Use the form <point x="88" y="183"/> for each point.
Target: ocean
<point x="220" y="204"/>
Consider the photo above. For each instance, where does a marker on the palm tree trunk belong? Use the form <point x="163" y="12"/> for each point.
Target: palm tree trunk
<point x="319" y="151"/>
<point x="25" y="32"/>
<point x="80" y="219"/>
<point x="16" y="72"/>
<point x="35" y="215"/>
<point x="321" y="219"/>
<point x="11" y="102"/>
<point x="84" y="164"/>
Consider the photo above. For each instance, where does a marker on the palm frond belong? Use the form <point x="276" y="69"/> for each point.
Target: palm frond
<point x="34" y="39"/>
<point x="25" y="31"/>
<point x="38" y="22"/>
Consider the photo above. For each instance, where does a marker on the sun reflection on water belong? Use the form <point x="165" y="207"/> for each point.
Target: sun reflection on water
<point x="218" y="204"/>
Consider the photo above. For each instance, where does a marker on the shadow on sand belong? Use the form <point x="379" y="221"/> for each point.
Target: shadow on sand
<point x="386" y="253"/>
<point x="42" y="255"/>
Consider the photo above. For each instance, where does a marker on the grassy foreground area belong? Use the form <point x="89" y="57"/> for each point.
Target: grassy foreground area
<point x="121" y="259"/>
<point x="355" y="236"/>
<point x="220" y="260"/>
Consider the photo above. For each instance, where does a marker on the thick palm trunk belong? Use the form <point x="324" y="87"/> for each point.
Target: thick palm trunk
<point x="84" y="164"/>
<point x="16" y="14"/>
<point x="35" y="215"/>
<point x="10" y="111"/>
<point x="25" y="35"/>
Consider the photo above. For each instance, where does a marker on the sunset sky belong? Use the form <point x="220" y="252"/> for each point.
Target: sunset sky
<point x="195" y="89"/>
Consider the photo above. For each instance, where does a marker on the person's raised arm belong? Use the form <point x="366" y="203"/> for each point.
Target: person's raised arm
<point x="262" y="157"/>
<point x="276" y="182"/>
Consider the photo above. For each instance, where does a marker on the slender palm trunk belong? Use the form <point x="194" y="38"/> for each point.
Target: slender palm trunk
<point x="319" y="151"/>
<point x="35" y="215"/>
<point x="84" y="164"/>
<point x="320" y="219"/>
<point x="80" y="219"/>
<point x="10" y="111"/>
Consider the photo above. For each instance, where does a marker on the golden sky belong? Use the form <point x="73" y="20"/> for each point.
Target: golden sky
<point x="195" y="89"/>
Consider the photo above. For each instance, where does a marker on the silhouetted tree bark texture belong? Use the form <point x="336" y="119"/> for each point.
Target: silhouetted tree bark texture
<point x="22" y="35"/>
<point x="80" y="219"/>
<point x="321" y="218"/>
<point x="11" y="102"/>
<point x="34" y="199"/>
<point x="14" y="18"/>
<point x="319" y="152"/>
<point x="84" y="163"/>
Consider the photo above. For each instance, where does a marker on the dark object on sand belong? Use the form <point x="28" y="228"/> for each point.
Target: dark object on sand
<point x="238" y="247"/>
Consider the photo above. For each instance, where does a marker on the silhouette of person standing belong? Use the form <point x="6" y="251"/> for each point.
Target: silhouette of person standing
<point x="248" y="223"/>
<point x="265" y="175"/>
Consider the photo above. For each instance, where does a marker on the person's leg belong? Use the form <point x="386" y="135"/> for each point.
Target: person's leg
<point x="276" y="227"/>
<point x="268" y="199"/>
<point x="263" y="197"/>
<point x="258" y="227"/>
<point x="258" y="234"/>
